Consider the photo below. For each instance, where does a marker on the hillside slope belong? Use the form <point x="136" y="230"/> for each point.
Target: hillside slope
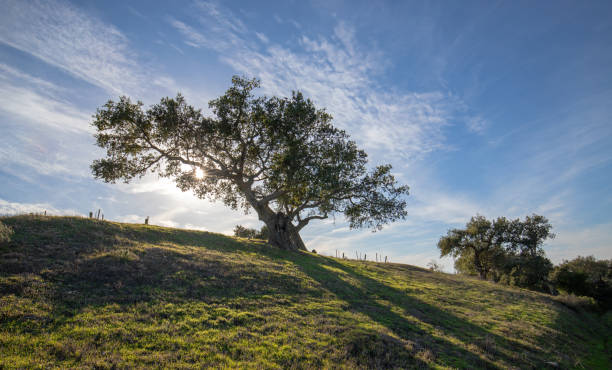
<point x="76" y="292"/>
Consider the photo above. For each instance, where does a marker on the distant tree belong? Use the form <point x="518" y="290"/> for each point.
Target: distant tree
<point x="263" y="233"/>
<point x="526" y="271"/>
<point x="280" y="157"/>
<point x="433" y="265"/>
<point x="527" y="237"/>
<point x="506" y="251"/>
<point x="585" y="276"/>
<point x="245" y="232"/>
<point x="479" y="244"/>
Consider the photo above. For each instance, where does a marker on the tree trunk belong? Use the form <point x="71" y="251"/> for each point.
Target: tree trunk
<point x="478" y="265"/>
<point x="283" y="233"/>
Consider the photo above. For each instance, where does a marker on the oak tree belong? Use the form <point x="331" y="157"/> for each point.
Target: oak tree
<point x="278" y="156"/>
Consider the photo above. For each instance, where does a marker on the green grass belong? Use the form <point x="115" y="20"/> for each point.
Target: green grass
<point x="76" y="292"/>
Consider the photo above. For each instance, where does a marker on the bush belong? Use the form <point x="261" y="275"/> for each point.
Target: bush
<point x="434" y="266"/>
<point x="530" y="272"/>
<point x="5" y="233"/>
<point x="576" y="302"/>
<point x="585" y="276"/>
<point x="245" y="232"/>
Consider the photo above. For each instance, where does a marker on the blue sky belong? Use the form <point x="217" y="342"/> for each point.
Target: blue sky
<point x="495" y="108"/>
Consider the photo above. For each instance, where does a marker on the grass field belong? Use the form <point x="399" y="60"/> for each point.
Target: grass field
<point x="76" y="292"/>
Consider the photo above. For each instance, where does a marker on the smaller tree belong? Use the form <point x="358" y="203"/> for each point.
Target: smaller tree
<point x="507" y="251"/>
<point x="526" y="271"/>
<point x="435" y="266"/>
<point x="480" y="242"/>
<point x="245" y="232"/>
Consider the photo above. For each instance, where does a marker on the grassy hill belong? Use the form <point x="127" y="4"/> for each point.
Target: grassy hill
<point x="76" y="292"/>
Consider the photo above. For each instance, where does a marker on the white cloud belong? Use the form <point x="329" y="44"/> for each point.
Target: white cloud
<point x="41" y="131"/>
<point x="32" y="106"/>
<point x="476" y="124"/>
<point x="8" y="72"/>
<point x="15" y="208"/>
<point x="571" y="242"/>
<point x="262" y="37"/>
<point x="65" y="37"/>
<point x="193" y="38"/>
<point x="336" y="72"/>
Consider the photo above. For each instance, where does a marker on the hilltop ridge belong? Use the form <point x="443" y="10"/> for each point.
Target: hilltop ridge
<point x="77" y="292"/>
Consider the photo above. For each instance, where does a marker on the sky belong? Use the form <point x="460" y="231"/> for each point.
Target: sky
<point x="497" y="108"/>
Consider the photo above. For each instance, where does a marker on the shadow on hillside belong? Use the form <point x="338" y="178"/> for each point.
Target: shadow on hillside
<point x="87" y="263"/>
<point x="367" y="298"/>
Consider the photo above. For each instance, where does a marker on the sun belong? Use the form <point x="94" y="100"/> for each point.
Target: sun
<point x="199" y="173"/>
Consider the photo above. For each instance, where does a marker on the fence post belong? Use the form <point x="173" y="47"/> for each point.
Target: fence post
<point x="147" y="220"/>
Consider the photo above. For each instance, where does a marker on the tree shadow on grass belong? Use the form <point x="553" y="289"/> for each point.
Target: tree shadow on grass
<point x="366" y="298"/>
<point x="88" y="263"/>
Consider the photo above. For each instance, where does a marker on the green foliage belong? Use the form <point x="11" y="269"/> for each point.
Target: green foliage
<point x="586" y="276"/>
<point x="249" y="233"/>
<point x="526" y="271"/>
<point x="481" y="242"/>
<point x="81" y="293"/>
<point x="506" y="251"/>
<point x="5" y="233"/>
<point x="281" y="157"/>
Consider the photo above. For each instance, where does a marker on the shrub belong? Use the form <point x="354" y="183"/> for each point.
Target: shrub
<point x="245" y="232"/>
<point x="576" y="302"/>
<point x="5" y="233"/>
<point x="434" y="266"/>
<point x="586" y="276"/>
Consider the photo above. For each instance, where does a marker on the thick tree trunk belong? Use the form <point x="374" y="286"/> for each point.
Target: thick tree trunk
<point x="283" y="233"/>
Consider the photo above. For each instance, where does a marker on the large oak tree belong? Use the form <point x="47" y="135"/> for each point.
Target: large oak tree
<point x="280" y="157"/>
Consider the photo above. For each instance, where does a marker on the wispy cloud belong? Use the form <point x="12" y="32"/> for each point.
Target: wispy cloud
<point x="587" y="241"/>
<point x="33" y="106"/>
<point x="336" y="72"/>
<point x="41" y="131"/>
<point x="65" y="37"/>
<point x="476" y="123"/>
<point x="15" y="208"/>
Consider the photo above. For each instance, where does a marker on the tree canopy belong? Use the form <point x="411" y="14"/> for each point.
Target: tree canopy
<point x="508" y="251"/>
<point x="281" y="157"/>
<point x="586" y="276"/>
